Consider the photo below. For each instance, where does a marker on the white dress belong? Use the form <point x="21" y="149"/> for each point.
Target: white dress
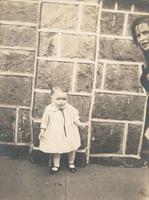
<point x="62" y="134"/>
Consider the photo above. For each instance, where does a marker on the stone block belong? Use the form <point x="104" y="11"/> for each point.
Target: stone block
<point x="133" y="138"/>
<point x="78" y="46"/>
<point x="141" y="6"/>
<point x="15" y="90"/>
<point x="41" y="100"/>
<point x="119" y="49"/>
<point x="7" y="124"/>
<point x="62" y="16"/>
<point x="13" y="61"/>
<point x="122" y="78"/>
<point x="131" y="18"/>
<point x="84" y="136"/>
<point x="54" y="73"/>
<point x="15" y="35"/>
<point x="125" y="4"/>
<point x="82" y="104"/>
<point x="36" y="132"/>
<point x="84" y="78"/>
<point x="109" y="4"/>
<point x="89" y="18"/>
<point x="107" y="137"/>
<point x="118" y="107"/>
<point x="112" y="23"/>
<point x="15" y="11"/>
<point x="99" y="75"/>
<point x="24" y="126"/>
<point x="48" y="44"/>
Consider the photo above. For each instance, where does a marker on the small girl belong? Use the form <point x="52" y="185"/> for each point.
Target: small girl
<point x="59" y="130"/>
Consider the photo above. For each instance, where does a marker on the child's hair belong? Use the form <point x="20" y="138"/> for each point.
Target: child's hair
<point x="135" y="23"/>
<point x="57" y="88"/>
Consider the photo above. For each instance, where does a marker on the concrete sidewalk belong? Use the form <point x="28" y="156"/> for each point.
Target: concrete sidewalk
<point x="22" y="180"/>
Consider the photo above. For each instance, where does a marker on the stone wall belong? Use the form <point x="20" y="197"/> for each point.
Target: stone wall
<point x="82" y="45"/>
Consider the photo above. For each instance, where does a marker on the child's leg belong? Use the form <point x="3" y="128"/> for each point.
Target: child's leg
<point x="56" y="159"/>
<point x="71" y="157"/>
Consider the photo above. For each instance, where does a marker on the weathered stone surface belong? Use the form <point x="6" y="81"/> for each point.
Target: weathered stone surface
<point x="118" y="49"/>
<point x="78" y="46"/>
<point x="109" y="4"/>
<point x="112" y="23"/>
<point x="133" y="138"/>
<point x="107" y="137"/>
<point x="84" y="79"/>
<point x="13" y="35"/>
<point x="54" y="73"/>
<point x="122" y="77"/>
<point x="89" y="18"/>
<point x="125" y="4"/>
<point x="15" y="90"/>
<point x="41" y="101"/>
<point x="48" y="44"/>
<point x="24" y="126"/>
<point x="13" y="60"/>
<point x="7" y="124"/>
<point x="142" y="6"/>
<point x="15" y="11"/>
<point x="131" y="18"/>
<point x="82" y="103"/>
<point x="118" y="107"/>
<point x="99" y="75"/>
<point x="83" y="135"/>
<point x="63" y="16"/>
<point x="36" y="132"/>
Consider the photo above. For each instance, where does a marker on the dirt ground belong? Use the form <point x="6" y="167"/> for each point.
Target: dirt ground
<point x="22" y="180"/>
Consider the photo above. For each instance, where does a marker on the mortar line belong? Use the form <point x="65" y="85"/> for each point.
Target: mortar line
<point x="17" y="48"/>
<point x="74" y="74"/>
<point x="117" y="121"/>
<point x="114" y="155"/>
<point x="35" y="72"/>
<point x="94" y="80"/>
<point x="70" y="2"/>
<point x="123" y="12"/>
<point x="16" y="125"/>
<point x="66" y="59"/>
<point x="79" y="18"/>
<point x="7" y="73"/>
<point x="125" y="139"/>
<point x="20" y="1"/>
<point x="120" y="92"/>
<point x="103" y="76"/>
<point x="18" y="23"/>
<point x="125" y="24"/>
<point x="143" y="126"/>
<point x="132" y="7"/>
<point x="116" y="6"/>
<point x="14" y="106"/>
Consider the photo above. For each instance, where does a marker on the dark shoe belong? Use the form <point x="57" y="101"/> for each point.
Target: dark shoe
<point x="53" y="170"/>
<point x="72" y="168"/>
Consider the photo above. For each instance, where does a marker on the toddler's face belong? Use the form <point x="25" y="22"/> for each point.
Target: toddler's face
<point x="59" y="99"/>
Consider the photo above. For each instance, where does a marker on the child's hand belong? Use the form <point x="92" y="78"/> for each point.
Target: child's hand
<point x="42" y="134"/>
<point x="83" y="125"/>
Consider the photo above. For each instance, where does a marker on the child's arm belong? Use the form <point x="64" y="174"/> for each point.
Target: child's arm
<point x="44" y="124"/>
<point x="80" y="124"/>
<point x="42" y="133"/>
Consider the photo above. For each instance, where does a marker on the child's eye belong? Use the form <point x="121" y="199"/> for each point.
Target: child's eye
<point x="61" y="99"/>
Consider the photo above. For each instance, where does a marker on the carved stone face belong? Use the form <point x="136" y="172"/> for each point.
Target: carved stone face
<point x="142" y="35"/>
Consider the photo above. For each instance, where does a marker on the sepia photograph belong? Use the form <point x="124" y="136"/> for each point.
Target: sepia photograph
<point x="74" y="99"/>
